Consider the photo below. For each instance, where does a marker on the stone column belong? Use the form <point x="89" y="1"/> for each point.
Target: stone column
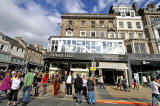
<point x="129" y="74"/>
<point x="100" y="71"/>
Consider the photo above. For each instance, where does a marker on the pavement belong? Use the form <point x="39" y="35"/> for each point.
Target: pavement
<point x="108" y="97"/>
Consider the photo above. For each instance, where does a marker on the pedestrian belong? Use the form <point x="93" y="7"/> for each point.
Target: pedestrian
<point x="91" y="92"/>
<point x="28" y="80"/>
<point x="84" y="87"/>
<point x="125" y="84"/>
<point x="155" y="93"/>
<point x="5" y="85"/>
<point x="119" y="83"/>
<point x="69" y="83"/>
<point x="102" y="82"/>
<point x="56" y="83"/>
<point x="135" y="84"/>
<point x="78" y="84"/>
<point x="64" y="79"/>
<point x="38" y="79"/>
<point x="14" y="89"/>
<point x="45" y="81"/>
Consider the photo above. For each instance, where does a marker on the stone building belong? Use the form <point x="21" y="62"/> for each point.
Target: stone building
<point x="151" y="21"/>
<point x="88" y="40"/>
<point x="130" y="28"/>
<point x="34" y="57"/>
<point x="12" y="53"/>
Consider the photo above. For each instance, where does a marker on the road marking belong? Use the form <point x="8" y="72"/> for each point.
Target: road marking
<point x="123" y="102"/>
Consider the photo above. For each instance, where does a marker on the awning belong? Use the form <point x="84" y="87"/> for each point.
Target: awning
<point x="112" y="65"/>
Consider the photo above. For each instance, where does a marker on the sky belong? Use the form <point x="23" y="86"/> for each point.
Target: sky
<point x="36" y="20"/>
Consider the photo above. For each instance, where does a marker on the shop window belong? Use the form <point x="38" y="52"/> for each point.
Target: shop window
<point x="82" y="66"/>
<point x="83" y="23"/>
<point x="129" y="48"/>
<point x="121" y="24"/>
<point x="93" y="24"/>
<point x="101" y="23"/>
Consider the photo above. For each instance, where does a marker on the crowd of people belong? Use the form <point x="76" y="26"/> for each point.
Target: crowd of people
<point x="13" y="81"/>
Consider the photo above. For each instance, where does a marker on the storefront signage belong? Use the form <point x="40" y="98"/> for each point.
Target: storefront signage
<point x="93" y="68"/>
<point x="64" y="55"/>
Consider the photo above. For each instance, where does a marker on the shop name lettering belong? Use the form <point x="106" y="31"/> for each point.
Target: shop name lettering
<point x="61" y="55"/>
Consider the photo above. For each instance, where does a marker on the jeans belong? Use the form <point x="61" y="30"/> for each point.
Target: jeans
<point x="69" y="88"/>
<point x="102" y="85"/>
<point x="155" y="97"/>
<point x="5" y="93"/>
<point x="79" y="97"/>
<point x="45" y="88"/>
<point x="91" y="97"/>
<point x="26" y="98"/>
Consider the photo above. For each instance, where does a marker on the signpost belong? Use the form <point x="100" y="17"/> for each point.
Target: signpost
<point x="93" y="68"/>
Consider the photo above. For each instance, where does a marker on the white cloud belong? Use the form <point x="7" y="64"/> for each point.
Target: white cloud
<point x="158" y="4"/>
<point x="32" y="22"/>
<point x="74" y="6"/>
<point x="101" y="5"/>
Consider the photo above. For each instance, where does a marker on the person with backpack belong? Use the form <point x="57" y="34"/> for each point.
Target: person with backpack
<point x="91" y="92"/>
<point x="78" y="84"/>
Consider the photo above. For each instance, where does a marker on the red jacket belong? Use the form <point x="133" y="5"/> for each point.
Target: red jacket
<point x="45" y="79"/>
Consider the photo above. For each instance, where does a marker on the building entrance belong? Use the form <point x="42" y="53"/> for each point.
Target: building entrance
<point x="110" y="75"/>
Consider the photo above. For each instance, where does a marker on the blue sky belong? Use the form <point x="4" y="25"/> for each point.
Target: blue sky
<point x="36" y="20"/>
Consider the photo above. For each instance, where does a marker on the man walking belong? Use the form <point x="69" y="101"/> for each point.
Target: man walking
<point x="28" y="80"/>
<point x="69" y="83"/>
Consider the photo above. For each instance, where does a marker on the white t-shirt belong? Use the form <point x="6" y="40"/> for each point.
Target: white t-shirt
<point x="69" y="79"/>
<point x="154" y="86"/>
<point x="15" y="83"/>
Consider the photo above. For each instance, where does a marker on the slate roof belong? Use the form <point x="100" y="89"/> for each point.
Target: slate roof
<point x="12" y="41"/>
<point x="31" y="46"/>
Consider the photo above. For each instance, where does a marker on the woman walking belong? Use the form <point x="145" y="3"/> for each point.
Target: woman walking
<point x="14" y="90"/>
<point x="91" y="92"/>
<point x="45" y="81"/>
<point x="56" y="83"/>
<point x="84" y="86"/>
<point x="6" y="84"/>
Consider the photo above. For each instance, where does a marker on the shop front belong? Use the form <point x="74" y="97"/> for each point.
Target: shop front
<point x="144" y="66"/>
<point x="110" y="66"/>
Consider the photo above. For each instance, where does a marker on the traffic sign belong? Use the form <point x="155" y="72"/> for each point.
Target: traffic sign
<point x="93" y="68"/>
